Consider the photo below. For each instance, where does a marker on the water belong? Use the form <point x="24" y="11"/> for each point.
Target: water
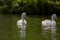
<point x="49" y="34"/>
<point x="22" y="34"/>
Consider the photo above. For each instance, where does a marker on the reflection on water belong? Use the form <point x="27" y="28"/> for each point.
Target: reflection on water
<point x="49" y="34"/>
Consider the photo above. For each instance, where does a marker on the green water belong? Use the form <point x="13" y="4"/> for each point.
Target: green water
<point x="9" y="29"/>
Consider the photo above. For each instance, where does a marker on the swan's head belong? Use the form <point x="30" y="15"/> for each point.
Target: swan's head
<point x="54" y="16"/>
<point x="23" y="15"/>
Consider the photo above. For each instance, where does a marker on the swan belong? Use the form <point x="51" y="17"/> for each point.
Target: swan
<point x="22" y="25"/>
<point x="46" y="24"/>
<point x="50" y="25"/>
<point x="22" y="21"/>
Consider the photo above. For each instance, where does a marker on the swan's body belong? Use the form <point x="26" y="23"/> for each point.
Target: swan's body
<point x="49" y="25"/>
<point x="46" y="23"/>
<point x="20" y="23"/>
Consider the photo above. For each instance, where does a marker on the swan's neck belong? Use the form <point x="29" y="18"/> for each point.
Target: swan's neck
<point x="53" y="19"/>
<point x="22" y="19"/>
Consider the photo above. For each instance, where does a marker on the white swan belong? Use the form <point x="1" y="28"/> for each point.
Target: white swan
<point x="50" y="25"/>
<point x="22" y="22"/>
<point x="46" y="24"/>
<point x="22" y="26"/>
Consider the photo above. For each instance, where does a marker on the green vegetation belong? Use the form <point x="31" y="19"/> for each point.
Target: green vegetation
<point x="30" y="6"/>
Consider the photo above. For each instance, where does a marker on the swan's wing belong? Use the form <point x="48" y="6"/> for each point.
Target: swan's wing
<point x="19" y="22"/>
<point x="46" y="22"/>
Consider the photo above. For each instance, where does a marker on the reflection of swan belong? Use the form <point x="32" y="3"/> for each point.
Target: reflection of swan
<point x="50" y="24"/>
<point x="22" y="25"/>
